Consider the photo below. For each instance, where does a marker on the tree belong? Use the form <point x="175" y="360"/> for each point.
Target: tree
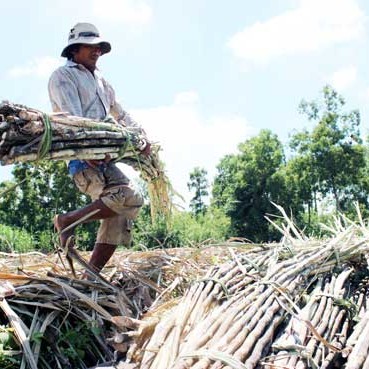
<point x="247" y="183"/>
<point x="37" y="194"/>
<point x="327" y="161"/>
<point x="199" y="184"/>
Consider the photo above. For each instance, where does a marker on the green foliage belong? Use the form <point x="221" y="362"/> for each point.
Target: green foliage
<point x="246" y="184"/>
<point x="71" y="343"/>
<point x="45" y="241"/>
<point x="312" y="223"/>
<point x="329" y="166"/>
<point x="13" y="239"/>
<point x="183" y="229"/>
<point x="10" y="357"/>
<point x="213" y="226"/>
<point x="327" y="162"/>
<point x="36" y="195"/>
<point x="199" y="184"/>
<point x="158" y="234"/>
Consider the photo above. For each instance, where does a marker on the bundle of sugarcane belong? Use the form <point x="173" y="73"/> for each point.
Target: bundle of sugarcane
<point x="300" y="303"/>
<point x="291" y="307"/>
<point x="58" y="321"/>
<point x="29" y="135"/>
<point x="62" y="323"/>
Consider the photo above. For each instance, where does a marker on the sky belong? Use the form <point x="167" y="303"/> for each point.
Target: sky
<point x="201" y="76"/>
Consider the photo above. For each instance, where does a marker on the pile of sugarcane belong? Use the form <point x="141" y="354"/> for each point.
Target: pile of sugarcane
<point x="301" y="304"/>
<point x="49" y="319"/>
<point x="29" y="135"/>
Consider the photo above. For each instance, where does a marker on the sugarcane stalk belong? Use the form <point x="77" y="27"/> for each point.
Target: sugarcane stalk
<point x="360" y="351"/>
<point x="15" y="320"/>
<point x="250" y="333"/>
<point x="69" y="154"/>
<point x="357" y="333"/>
<point x="360" y="304"/>
<point x="253" y="340"/>
<point x="366" y="363"/>
<point x="319" y="321"/>
<point x="29" y="115"/>
<point x="164" y="330"/>
<point x="325" y="329"/>
<point x="182" y="317"/>
<point x="328" y="359"/>
<point x="206" y="297"/>
<point x="262" y="342"/>
<point x="61" y="145"/>
<point x="234" y="338"/>
<point x="231" y="273"/>
<point x="70" y="120"/>
<point x="205" y="331"/>
<point x="296" y="330"/>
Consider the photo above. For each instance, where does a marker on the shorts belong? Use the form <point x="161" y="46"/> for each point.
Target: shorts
<point x="122" y="199"/>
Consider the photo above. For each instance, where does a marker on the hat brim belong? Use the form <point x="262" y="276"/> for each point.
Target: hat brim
<point x="104" y="45"/>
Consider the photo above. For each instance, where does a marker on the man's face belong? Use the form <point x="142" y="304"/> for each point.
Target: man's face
<point x="87" y="55"/>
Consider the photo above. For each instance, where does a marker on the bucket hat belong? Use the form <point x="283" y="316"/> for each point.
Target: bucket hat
<point x="86" y="33"/>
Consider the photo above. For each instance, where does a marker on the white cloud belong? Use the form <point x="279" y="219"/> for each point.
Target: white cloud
<point x="186" y="97"/>
<point x="39" y="67"/>
<point x="343" y="78"/>
<point x="364" y="95"/>
<point x="135" y="12"/>
<point x="189" y="140"/>
<point x="314" y="25"/>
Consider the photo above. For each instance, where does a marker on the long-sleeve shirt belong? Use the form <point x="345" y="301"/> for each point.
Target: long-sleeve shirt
<point x="73" y="89"/>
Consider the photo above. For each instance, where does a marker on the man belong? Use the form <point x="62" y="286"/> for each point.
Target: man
<point x="78" y="89"/>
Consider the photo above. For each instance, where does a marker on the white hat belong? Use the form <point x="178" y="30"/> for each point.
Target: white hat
<point x="86" y="33"/>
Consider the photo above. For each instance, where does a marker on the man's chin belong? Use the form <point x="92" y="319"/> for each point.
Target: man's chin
<point x="91" y="66"/>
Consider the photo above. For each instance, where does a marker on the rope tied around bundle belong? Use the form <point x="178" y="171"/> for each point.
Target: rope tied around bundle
<point x="46" y="140"/>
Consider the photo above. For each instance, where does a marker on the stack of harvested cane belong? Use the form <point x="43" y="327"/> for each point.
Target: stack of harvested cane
<point x="301" y="306"/>
<point x="298" y="304"/>
<point x="28" y="135"/>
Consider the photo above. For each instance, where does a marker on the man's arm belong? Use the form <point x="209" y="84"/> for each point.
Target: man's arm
<point x="118" y="113"/>
<point x="123" y="118"/>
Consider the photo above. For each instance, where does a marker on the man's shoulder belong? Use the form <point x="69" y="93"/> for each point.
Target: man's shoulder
<point x="64" y="70"/>
<point x="59" y="70"/>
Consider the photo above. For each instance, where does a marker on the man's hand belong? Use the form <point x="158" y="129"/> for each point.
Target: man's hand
<point x="107" y="158"/>
<point x="97" y="163"/>
<point x="93" y="163"/>
<point x="146" y="148"/>
<point x="110" y="119"/>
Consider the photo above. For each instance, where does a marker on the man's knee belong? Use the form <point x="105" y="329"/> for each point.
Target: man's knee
<point x="123" y="200"/>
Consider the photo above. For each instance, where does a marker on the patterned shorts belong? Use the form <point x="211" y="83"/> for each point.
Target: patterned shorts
<point x="122" y="199"/>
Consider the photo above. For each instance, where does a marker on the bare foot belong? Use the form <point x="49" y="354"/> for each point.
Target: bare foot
<point x="60" y="224"/>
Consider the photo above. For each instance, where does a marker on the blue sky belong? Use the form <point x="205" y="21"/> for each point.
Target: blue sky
<point x="201" y="76"/>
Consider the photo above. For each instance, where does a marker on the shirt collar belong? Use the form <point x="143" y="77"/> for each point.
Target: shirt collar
<point x="72" y="64"/>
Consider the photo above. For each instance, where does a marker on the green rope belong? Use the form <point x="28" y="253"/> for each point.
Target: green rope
<point x="123" y="148"/>
<point x="45" y="144"/>
<point x="129" y="144"/>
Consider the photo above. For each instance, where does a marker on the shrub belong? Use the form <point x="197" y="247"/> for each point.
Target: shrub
<point x="183" y="229"/>
<point x="14" y="239"/>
